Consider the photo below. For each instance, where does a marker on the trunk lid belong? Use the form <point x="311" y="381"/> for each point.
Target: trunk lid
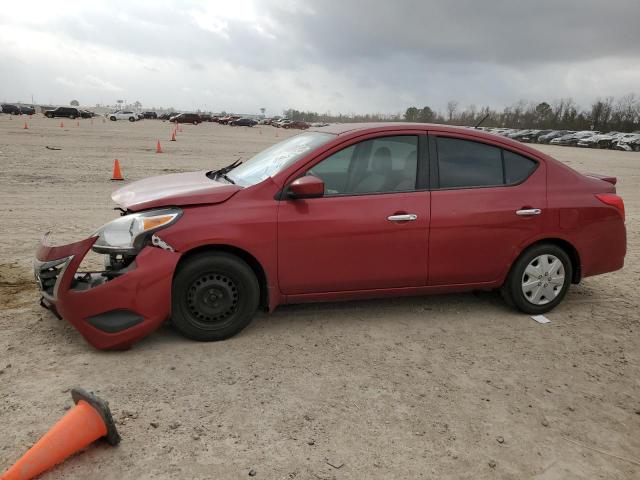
<point x="607" y="178"/>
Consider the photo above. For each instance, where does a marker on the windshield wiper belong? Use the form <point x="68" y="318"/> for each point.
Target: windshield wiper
<point x="227" y="178"/>
<point x="222" y="172"/>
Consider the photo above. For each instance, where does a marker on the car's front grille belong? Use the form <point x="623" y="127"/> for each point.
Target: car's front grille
<point x="49" y="274"/>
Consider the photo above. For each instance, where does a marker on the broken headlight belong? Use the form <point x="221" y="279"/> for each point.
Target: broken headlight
<point x="128" y="234"/>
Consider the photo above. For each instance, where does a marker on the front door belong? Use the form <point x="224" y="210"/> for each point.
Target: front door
<point x="368" y="231"/>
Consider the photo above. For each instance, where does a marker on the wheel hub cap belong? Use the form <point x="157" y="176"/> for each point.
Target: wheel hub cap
<point x="543" y="279"/>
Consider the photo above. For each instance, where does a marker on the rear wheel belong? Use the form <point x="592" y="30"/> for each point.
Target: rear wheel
<point x="132" y="119"/>
<point x="539" y="279"/>
<point x="113" y="119"/>
<point x="215" y="296"/>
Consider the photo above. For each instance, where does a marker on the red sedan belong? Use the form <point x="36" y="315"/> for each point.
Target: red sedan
<point x="338" y="213"/>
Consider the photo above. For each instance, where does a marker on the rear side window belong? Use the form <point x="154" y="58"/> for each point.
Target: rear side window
<point x="465" y="164"/>
<point x="516" y="167"/>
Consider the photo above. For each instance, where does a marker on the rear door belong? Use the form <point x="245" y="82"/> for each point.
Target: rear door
<point x="369" y="230"/>
<point x="486" y="204"/>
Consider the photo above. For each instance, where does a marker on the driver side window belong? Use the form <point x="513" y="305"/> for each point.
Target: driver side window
<point x="380" y="165"/>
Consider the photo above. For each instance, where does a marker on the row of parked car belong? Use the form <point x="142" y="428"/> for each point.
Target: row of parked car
<point x="17" y="109"/>
<point x="586" y="138"/>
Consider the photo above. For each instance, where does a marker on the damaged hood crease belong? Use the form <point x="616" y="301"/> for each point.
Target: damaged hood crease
<point x="178" y="189"/>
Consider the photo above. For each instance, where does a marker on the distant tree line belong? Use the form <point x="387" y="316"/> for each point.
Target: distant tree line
<point x="604" y="114"/>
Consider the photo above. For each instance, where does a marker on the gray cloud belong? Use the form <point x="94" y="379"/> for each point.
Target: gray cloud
<point x="325" y="55"/>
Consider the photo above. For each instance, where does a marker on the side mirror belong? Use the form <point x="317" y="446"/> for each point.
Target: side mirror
<point x="306" y="187"/>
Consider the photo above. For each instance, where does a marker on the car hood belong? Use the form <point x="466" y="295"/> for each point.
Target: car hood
<point x="191" y="188"/>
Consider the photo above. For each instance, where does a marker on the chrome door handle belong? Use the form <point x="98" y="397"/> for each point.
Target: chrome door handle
<point x="407" y="217"/>
<point x="528" y="212"/>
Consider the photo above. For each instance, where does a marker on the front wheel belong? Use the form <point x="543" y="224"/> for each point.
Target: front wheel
<point x="215" y="295"/>
<point x="539" y="279"/>
<point x="131" y="119"/>
<point x="113" y="119"/>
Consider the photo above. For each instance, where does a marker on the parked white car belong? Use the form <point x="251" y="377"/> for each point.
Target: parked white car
<point x="123" y="115"/>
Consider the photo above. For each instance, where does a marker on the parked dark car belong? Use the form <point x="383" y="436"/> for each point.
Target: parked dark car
<point x="87" y="114"/>
<point x="532" y="137"/>
<point x="227" y="119"/>
<point x="186" y="118"/>
<point x="10" y="109"/>
<point x="206" y="117"/>
<point x="167" y="115"/>
<point x="296" y="124"/>
<point x="68" y="112"/>
<point x="152" y="115"/>
<point x="344" y="212"/>
<point x="553" y="134"/>
<point x="27" y="110"/>
<point x="243" y="122"/>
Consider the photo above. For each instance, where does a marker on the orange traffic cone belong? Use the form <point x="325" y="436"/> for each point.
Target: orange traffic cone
<point x="85" y="423"/>
<point x="173" y="136"/>
<point x="78" y="124"/>
<point x="180" y="128"/>
<point x="158" y="147"/>
<point x="25" y="126"/>
<point x="61" y="124"/>
<point x="117" y="174"/>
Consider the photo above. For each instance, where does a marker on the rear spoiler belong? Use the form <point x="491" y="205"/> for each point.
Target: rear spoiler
<point x="606" y="178"/>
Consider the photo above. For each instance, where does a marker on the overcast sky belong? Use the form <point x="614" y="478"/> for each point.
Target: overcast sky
<point x="339" y="56"/>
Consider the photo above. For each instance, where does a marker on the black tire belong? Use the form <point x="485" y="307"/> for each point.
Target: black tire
<point x="131" y="119"/>
<point x="113" y="119"/>
<point x="512" y="289"/>
<point x="215" y="295"/>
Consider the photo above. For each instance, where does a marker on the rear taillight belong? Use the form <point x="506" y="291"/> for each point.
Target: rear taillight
<point x="613" y="200"/>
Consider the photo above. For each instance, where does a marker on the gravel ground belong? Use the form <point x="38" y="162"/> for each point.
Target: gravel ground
<point x="451" y="386"/>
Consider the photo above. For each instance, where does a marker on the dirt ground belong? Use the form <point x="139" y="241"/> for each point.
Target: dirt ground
<point x="453" y="386"/>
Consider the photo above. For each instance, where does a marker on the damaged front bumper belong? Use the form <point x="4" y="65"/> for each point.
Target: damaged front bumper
<point x="111" y="309"/>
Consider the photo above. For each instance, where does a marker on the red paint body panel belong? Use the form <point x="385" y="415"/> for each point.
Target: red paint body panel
<point x="146" y="290"/>
<point x="476" y="234"/>
<point x="347" y="243"/>
<point x="343" y="247"/>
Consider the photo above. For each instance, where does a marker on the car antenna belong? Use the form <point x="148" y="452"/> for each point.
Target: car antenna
<point x="483" y="119"/>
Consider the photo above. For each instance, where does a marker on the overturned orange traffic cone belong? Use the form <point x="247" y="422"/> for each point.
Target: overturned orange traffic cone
<point x="61" y="124"/>
<point x="173" y="136"/>
<point x="158" y="147"/>
<point x="25" y="126"/>
<point x="85" y="423"/>
<point x="117" y="174"/>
